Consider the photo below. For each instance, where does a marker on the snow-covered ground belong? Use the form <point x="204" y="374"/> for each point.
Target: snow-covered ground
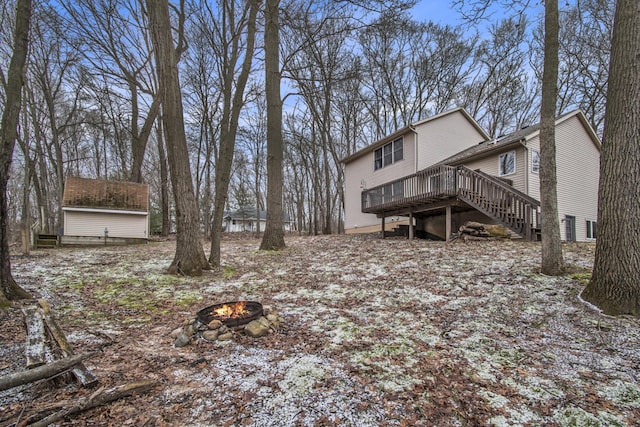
<point x="378" y="332"/>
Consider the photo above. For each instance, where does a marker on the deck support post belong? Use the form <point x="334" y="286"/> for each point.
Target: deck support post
<point x="448" y="223"/>
<point x="383" y="226"/>
<point x="410" y="225"/>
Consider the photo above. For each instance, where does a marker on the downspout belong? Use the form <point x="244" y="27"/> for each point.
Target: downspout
<point x="527" y="162"/>
<point x="415" y="145"/>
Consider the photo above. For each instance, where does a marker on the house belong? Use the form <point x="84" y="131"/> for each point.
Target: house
<point x="445" y="176"/>
<point x="247" y="219"/>
<point x="98" y="211"/>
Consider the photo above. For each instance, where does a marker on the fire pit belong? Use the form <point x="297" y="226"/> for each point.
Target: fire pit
<point x="231" y="314"/>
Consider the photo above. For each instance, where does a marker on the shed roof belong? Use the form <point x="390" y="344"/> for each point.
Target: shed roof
<point x="103" y="194"/>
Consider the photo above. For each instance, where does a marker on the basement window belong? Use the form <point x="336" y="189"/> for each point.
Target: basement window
<point x="591" y="229"/>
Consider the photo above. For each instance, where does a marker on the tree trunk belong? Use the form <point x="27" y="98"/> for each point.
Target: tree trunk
<point x="273" y="238"/>
<point x="9" y="290"/>
<point x="552" y="261"/>
<point x="614" y="286"/>
<point x="189" y="258"/>
<point x="233" y="103"/>
<point x="139" y="140"/>
<point x="164" y="183"/>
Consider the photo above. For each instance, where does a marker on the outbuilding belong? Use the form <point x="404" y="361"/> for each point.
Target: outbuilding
<point x="99" y="211"/>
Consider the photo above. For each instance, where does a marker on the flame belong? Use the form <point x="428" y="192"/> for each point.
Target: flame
<point x="231" y="310"/>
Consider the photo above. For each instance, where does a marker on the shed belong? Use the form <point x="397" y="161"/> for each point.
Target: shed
<point x="97" y="210"/>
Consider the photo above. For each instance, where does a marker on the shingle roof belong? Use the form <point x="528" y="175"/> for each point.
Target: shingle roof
<point x="103" y="194"/>
<point x="492" y="145"/>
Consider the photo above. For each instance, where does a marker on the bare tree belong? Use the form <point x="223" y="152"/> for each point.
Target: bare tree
<point x="552" y="259"/>
<point x="9" y="289"/>
<point x="499" y="91"/>
<point x="116" y="44"/>
<point x="614" y="286"/>
<point x="273" y="238"/>
<point x="235" y="59"/>
<point x="189" y="258"/>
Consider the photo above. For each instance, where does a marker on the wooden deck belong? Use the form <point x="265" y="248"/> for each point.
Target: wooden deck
<point x="447" y="185"/>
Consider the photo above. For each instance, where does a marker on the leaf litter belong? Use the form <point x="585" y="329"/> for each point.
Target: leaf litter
<point x="377" y="332"/>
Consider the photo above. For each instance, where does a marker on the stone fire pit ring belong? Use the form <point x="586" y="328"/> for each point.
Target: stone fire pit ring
<point x="207" y="314"/>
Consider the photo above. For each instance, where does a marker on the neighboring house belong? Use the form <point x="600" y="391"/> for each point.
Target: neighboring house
<point x="96" y="209"/>
<point x="246" y="219"/>
<point x="494" y="181"/>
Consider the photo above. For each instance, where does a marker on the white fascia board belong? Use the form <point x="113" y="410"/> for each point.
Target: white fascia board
<point x="115" y="211"/>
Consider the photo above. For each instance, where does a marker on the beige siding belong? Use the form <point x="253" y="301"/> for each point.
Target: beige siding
<point x="93" y="224"/>
<point x="433" y="141"/>
<point x="360" y="174"/>
<point x="490" y="163"/>
<point x="444" y="137"/>
<point x="578" y="166"/>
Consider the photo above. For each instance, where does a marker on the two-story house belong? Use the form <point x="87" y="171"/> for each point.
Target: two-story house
<point x="442" y="171"/>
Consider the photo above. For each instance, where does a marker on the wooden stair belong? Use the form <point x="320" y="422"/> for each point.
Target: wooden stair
<point x="515" y="210"/>
<point x="47" y="240"/>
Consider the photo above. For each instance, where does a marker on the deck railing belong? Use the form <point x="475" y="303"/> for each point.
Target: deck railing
<point x="488" y="194"/>
<point x="428" y="185"/>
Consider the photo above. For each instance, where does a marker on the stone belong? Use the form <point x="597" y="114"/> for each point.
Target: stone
<point x="182" y="340"/>
<point x="226" y="336"/>
<point x="223" y="329"/>
<point x="199" y="326"/>
<point x="257" y="328"/>
<point x="274" y="319"/>
<point x="176" y="333"/>
<point x="214" y="324"/>
<point x="190" y="330"/>
<point x="210" y="335"/>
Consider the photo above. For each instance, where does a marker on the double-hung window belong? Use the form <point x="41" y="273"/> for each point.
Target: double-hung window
<point x="591" y="229"/>
<point x="388" y="154"/>
<point x="507" y="163"/>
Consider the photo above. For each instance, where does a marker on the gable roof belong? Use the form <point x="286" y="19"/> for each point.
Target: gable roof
<point x="103" y="194"/>
<point x="519" y="137"/>
<point x="411" y="128"/>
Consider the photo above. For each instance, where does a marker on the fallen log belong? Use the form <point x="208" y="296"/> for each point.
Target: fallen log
<point x="41" y="372"/>
<point x="35" y="336"/>
<point x="82" y="374"/>
<point x="100" y="397"/>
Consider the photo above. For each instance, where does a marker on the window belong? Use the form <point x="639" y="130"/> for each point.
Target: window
<point x="535" y="161"/>
<point x="377" y="159"/>
<point x="507" y="163"/>
<point x="388" y="154"/>
<point x="591" y="229"/>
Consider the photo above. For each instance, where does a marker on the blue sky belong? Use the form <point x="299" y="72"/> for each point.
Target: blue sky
<point x="438" y="11"/>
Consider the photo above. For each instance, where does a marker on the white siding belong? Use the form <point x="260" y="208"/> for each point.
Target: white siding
<point x="360" y="174"/>
<point x="93" y="224"/>
<point x="578" y="171"/>
<point x="433" y="141"/>
<point x="444" y="137"/>
<point x="578" y="166"/>
<point x="490" y="163"/>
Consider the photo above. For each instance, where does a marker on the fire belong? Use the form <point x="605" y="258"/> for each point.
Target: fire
<point x="232" y="310"/>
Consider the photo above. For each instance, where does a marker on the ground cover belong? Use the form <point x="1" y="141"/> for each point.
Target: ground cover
<point x="377" y="332"/>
